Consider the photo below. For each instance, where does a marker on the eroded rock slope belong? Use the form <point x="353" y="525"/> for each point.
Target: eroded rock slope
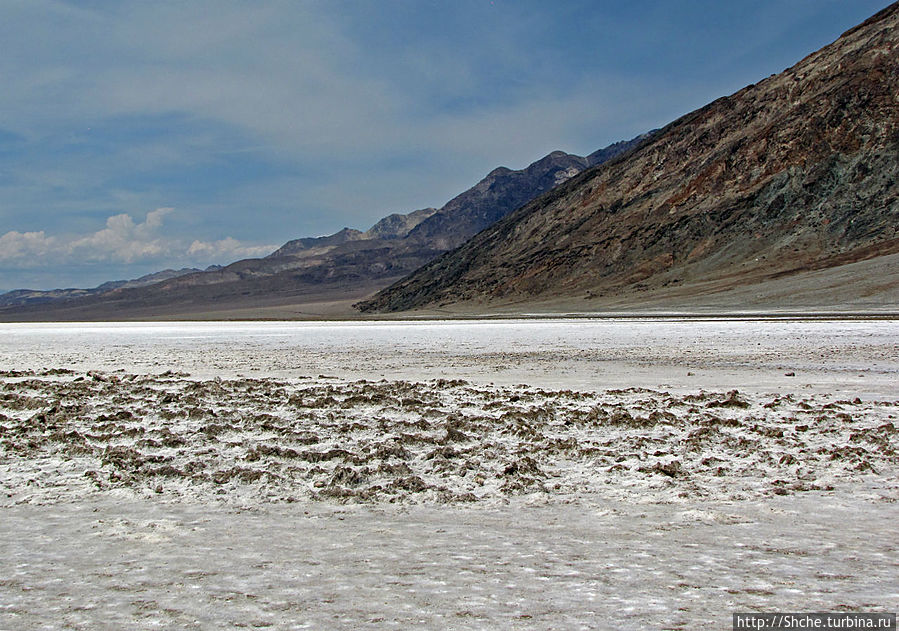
<point x="797" y="172"/>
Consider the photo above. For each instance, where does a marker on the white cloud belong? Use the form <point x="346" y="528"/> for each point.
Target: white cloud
<point x="122" y="241"/>
<point x="27" y="247"/>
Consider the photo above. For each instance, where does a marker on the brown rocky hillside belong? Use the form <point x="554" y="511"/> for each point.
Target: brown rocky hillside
<point x="797" y="173"/>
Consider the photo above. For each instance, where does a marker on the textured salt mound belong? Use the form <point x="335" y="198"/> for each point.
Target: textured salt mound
<point x="65" y="435"/>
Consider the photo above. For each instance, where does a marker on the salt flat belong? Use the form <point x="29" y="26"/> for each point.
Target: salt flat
<point x="548" y="474"/>
<point x="855" y="356"/>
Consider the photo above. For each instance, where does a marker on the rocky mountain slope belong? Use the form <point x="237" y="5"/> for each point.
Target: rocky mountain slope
<point x="347" y="264"/>
<point x="799" y="172"/>
<point x="504" y="190"/>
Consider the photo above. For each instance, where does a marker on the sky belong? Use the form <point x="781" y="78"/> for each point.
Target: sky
<point x="139" y="136"/>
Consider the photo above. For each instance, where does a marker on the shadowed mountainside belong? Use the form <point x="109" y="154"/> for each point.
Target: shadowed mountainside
<point x="797" y="173"/>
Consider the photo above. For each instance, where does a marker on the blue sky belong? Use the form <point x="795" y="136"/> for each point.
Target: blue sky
<point x="136" y="136"/>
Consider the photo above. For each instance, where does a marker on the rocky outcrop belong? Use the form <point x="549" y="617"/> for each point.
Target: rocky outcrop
<point x="797" y="172"/>
<point x="397" y="226"/>
<point x="317" y="244"/>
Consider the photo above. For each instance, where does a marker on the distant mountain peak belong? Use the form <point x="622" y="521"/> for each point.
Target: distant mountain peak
<point x="298" y="246"/>
<point x="397" y="226"/>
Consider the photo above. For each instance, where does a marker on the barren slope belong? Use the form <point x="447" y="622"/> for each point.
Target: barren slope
<point x="799" y="172"/>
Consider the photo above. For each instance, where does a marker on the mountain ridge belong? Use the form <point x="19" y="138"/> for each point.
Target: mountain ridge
<point x="348" y="260"/>
<point x="16" y="297"/>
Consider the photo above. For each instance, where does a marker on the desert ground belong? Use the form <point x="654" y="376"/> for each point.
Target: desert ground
<point x="624" y="473"/>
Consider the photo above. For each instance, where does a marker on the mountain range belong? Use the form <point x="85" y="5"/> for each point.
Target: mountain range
<point x="784" y="194"/>
<point x="18" y="297"/>
<point x="315" y="273"/>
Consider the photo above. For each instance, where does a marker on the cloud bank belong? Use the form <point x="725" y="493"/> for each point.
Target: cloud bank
<point x="122" y="241"/>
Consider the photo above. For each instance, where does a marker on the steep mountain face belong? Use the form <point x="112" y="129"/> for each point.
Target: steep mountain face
<point x="799" y="172"/>
<point x="503" y="191"/>
<point x="322" y="268"/>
